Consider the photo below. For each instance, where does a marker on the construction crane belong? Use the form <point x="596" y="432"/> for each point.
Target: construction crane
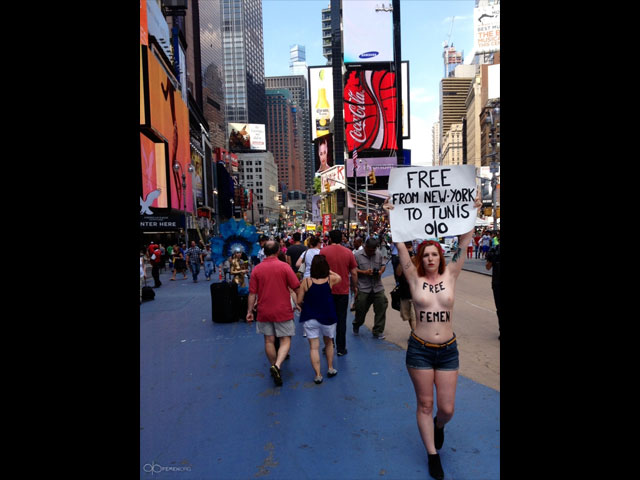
<point x="447" y="45"/>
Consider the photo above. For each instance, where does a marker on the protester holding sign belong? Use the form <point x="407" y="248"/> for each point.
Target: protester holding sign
<point x="432" y="353"/>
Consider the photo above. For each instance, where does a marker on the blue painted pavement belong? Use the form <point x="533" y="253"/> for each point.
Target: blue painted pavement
<point x="209" y="409"/>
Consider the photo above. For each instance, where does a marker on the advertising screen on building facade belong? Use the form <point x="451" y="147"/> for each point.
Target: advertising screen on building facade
<point x="367" y="31"/>
<point x="370" y="110"/>
<point x="321" y="101"/>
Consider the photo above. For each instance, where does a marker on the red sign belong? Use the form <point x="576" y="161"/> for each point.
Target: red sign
<point x="326" y="222"/>
<point x="370" y="108"/>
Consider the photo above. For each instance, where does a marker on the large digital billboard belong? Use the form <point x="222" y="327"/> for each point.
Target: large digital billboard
<point x="370" y="110"/>
<point x="169" y="120"/>
<point x="367" y="31"/>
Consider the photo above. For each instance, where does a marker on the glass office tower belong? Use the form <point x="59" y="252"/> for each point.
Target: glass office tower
<point x="245" y="100"/>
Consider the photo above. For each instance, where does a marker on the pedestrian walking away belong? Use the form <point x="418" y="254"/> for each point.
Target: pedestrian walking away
<point x="432" y="352"/>
<point x="341" y="261"/>
<point x="318" y="315"/>
<point x="194" y="259"/>
<point x="294" y="252"/>
<point x="269" y="290"/>
<point x="371" y="266"/>
<point x="307" y="256"/>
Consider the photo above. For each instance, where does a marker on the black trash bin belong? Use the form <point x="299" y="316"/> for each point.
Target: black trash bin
<point x="224" y="296"/>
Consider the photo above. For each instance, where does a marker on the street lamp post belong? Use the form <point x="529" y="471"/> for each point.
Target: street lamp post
<point x="493" y="164"/>
<point x="178" y="168"/>
<point x="217" y="205"/>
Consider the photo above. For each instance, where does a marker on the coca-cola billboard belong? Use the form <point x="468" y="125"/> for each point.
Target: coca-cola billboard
<point x="370" y="109"/>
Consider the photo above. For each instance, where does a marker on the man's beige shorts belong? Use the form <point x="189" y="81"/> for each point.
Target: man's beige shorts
<point x="279" y="329"/>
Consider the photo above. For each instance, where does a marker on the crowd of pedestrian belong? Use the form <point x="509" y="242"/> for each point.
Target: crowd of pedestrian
<point x="312" y="277"/>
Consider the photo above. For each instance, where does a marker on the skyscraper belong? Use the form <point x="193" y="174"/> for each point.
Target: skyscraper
<point x="212" y="70"/>
<point x="326" y="34"/>
<point x="284" y="122"/>
<point x="245" y="100"/>
<point x="297" y="86"/>
<point x="298" y="60"/>
<point x="453" y="95"/>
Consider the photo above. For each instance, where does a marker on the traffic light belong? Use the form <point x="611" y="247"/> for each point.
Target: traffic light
<point x="372" y="178"/>
<point x="327" y="186"/>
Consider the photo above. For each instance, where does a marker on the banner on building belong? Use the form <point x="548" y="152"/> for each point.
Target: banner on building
<point x="323" y="153"/>
<point x="381" y="166"/>
<point x="333" y="179"/>
<point x="431" y="202"/>
<point x="326" y="223"/>
<point x="247" y="137"/>
<point x="163" y="221"/>
<point x="486" y="28"/>
<point x="316" y="200"/>
<point x="321" y="101"/>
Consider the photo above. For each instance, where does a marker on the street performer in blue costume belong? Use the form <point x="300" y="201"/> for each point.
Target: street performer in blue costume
<point x="432" y="352"/>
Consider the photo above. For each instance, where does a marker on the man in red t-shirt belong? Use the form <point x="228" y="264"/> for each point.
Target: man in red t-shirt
<point x="341" y="261"/>
<point x="270" y="281"/>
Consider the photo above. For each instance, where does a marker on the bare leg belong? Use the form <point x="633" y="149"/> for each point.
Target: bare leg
<point x="423" y="382"/>
<point x="270" y="348"/>
<point x="314" y="344"/>
<point x="328" y="346"/>
<point x="283" y="350"/>
<point x="446" y="382"/>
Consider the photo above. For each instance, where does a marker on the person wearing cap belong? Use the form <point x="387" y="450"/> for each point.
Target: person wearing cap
<point x="432" y="351"/>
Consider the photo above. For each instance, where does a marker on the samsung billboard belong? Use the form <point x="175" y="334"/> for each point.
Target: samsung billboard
<point x="367" y="31"/>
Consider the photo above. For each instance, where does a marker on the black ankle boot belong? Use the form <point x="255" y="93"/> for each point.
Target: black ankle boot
<point x="438" y="435"/>
<point x="435" y="467"/>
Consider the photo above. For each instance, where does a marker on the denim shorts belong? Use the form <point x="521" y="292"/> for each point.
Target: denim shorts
<point x="422" y="357"/>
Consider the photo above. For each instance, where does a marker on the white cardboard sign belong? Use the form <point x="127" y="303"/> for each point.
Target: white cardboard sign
<point x="431" y="202"/>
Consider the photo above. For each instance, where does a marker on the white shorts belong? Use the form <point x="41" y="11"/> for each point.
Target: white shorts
<point x="314" y="329"/>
